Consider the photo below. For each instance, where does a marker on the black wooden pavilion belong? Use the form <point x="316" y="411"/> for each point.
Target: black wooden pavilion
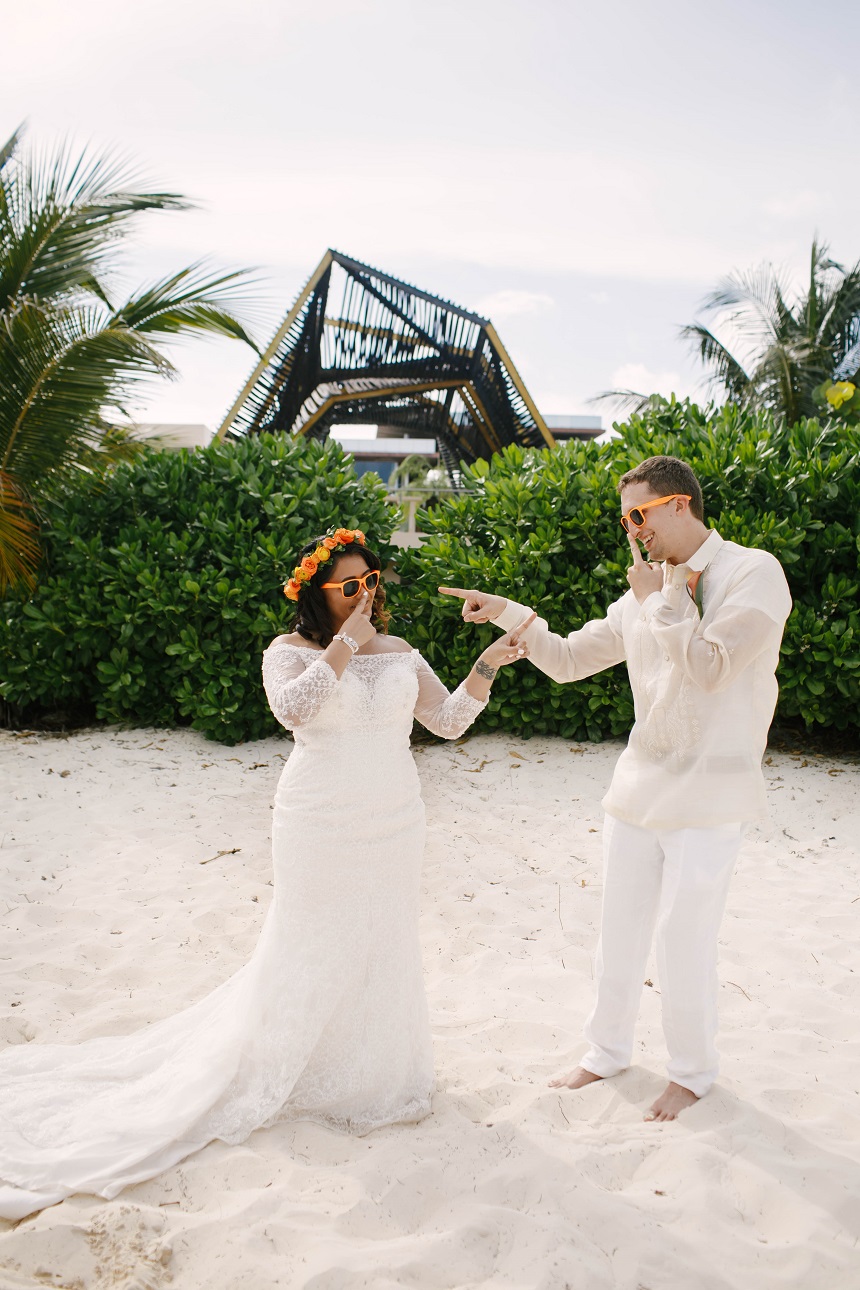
<point x="361" y="346"/>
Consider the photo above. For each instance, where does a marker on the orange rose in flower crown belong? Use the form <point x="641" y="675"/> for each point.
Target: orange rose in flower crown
<point x="338" y="540"/>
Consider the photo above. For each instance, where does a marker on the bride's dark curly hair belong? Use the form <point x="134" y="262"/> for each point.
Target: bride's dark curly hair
<point x="313" y="620"/>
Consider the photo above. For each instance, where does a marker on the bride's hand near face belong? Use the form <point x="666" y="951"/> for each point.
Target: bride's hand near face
<point x="358" y="625"/>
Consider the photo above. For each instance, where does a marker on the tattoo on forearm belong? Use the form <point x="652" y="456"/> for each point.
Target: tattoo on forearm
<point x="483" y="669"/>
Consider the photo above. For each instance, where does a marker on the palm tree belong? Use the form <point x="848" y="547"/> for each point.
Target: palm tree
<point x="793" y="355"/>
<point x="71" y="357"/>
<point x="781" y="352"/>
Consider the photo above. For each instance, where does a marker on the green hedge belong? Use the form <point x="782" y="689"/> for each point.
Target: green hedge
<point x="543" y="528"/>
<point x="162" y="584"/>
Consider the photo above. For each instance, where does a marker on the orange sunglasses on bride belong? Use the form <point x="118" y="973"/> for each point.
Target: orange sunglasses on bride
<point x="636" y="514"/>
<point x="350" y="587"/>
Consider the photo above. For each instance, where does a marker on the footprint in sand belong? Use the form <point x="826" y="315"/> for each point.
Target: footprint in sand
<point x="128" y="1251"/>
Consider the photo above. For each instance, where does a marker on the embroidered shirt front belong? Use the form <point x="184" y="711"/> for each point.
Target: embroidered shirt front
<point x="704" y="688"/>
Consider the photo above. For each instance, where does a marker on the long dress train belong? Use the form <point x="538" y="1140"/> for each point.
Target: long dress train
<point x="328" y="1019"/>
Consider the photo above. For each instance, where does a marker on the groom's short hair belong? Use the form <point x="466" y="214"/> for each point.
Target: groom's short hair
<point x="665" y="475"/>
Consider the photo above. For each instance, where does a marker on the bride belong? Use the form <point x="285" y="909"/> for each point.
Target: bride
<point x="328" y="1019"/>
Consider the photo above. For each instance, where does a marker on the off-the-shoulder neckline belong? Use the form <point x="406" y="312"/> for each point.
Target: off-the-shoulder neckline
<point x="309" y="649"/>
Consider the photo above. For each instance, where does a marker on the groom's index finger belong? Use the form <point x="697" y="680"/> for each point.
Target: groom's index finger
<point x="455" y="591"/>
<point x="634" y="547"/>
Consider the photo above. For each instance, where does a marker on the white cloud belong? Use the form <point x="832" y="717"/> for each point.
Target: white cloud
<point x="804" y="204"/>
<point x="555" y="402"/>
<point x="576" y="176"/>
<point x="507" y="303"/>
<point x="287" y="214"/>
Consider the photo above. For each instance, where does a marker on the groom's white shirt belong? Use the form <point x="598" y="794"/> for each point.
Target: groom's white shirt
<point x="704" y="690"/>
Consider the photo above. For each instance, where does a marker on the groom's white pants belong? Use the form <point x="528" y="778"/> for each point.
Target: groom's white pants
<point x="678" y="879"/>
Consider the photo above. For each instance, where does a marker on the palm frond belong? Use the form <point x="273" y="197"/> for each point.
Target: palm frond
<point x="628" y="402"/>
<point x="72" y="363"/>
<point x="839" y="325"/>
<point x="193" y="299"/>
<point x="849" y="368"/>
<point x="60" y="372"/>
<point x="813" y="304"/>
<point x="826" y="291"/>
<point x="19" y="544"/>
<point x="753" y="306"/>
<point x="9" y="148"/>
<point x="726" y="371"/>
<point x="779" y="352"/>
<point x="61" y="214"/>
<point x="117" y="443"/>
<point x="786" y="376"/>
<point x="773" y="383"/>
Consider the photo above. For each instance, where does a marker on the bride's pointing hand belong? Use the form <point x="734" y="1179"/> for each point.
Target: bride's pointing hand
<point x="509" y="648"/>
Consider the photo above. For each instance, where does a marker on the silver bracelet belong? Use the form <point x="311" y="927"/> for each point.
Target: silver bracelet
<point x="347" y="640"/>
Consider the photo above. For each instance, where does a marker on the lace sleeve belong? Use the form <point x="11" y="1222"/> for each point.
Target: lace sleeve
<point x="444" y="714"/>
<point x="296" y="693"/>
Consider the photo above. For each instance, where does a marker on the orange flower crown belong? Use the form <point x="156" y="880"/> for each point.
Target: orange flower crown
<point x="337" y="540"/>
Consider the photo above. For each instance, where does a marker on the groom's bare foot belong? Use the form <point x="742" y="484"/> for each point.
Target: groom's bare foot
<point x="575" y="1079"/>
<point x="672" y="1101"/>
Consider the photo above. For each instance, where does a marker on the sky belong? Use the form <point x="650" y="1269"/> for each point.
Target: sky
<point x="582" y="173"/>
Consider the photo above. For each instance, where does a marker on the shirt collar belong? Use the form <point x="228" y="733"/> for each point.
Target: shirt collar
<point x="700" y="559"/>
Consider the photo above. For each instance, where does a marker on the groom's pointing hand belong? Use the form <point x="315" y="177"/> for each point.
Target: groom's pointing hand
<point x="478" y="606"/>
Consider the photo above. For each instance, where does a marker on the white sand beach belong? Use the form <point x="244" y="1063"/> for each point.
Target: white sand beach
<point x="134" y="876"/>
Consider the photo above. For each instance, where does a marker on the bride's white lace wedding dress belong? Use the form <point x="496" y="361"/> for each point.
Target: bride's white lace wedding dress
<point x="328" y="1019"/>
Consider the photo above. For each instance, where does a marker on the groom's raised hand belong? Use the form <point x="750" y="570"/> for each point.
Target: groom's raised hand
<point x="644" y="578"/>
<point x="478" y="606"/>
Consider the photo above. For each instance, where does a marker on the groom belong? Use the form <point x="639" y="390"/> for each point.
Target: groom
<point x="700" y="630"/>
